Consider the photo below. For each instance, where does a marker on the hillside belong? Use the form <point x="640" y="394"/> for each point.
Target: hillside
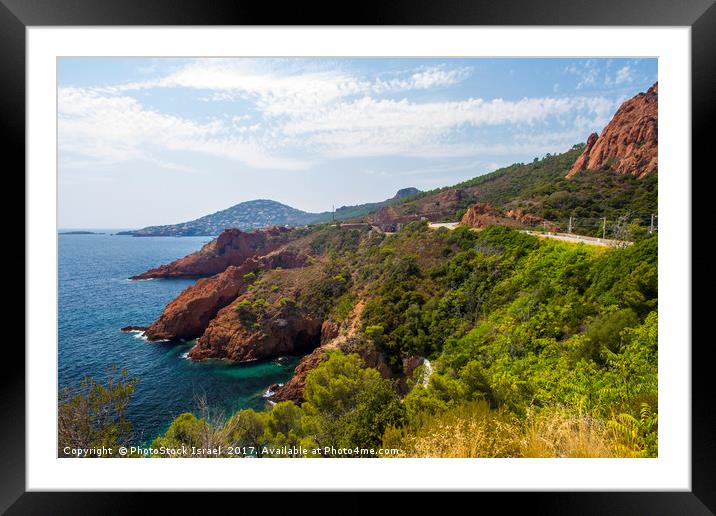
<point x="262" y="213"/>
<point x="480" y="341"/>
<point x="613" y="176"/>
<point x="540" y="189"/>
<point x="527" y="333"/>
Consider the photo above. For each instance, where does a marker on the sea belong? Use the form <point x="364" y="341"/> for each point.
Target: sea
<point x="96" y="299"/>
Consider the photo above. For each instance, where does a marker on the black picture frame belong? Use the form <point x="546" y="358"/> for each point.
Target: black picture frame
<point x="700" y="15"/>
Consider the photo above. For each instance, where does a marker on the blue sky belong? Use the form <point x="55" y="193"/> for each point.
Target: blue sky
<point x="149" y="141"/>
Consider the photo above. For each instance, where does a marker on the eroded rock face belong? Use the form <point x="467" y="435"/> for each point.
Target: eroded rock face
<point x="280" y="331"/>
<point x="343" y="337"/>
<point x="629" y="143"/>
<point x="188" y="315"/>
<point x="452" y="196"/>
<point x="232" y="247"/>
<point x="526" y="219"/>
<point x="481" y="215"/>
<point x="293" y="389"/>
<point x="387" y="219"/>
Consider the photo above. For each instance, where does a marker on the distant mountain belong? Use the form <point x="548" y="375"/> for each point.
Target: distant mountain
<point x="261" y="213"/>
<point x="349" y="212"/>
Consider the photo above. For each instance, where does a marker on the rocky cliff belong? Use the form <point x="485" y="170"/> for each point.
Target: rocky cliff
<point x="481" y="215"/>
<point x="232" y="247"/>
<point x="278" y="330"/>
<point x="188" y="315"/>
<point x="344" y="337"/>
<point x="629" y="143"/>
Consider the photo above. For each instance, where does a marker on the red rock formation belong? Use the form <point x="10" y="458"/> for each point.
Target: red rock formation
<point x="629" y="143"/>
<point x="232" y="247"/>
<point x="293" y="389"/>
<point x="281" y="330"/>
<point x="452" y="196"/>
<point x="386" y="218"/>
<point x="188" y="315"/>
<point x="526" y="219"/>
<point x="346" y="339"/>
<point x="481" y="215"/>
<point x="127" y="329"/>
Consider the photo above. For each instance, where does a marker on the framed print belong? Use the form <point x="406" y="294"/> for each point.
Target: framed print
<point x="440" y="249"/>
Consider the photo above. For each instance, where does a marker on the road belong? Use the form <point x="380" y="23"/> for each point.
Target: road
<point x="571" y="237"/>
<point x="566" y="237"/>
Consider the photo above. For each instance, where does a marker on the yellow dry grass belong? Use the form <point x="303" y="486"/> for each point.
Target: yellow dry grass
<point x="473" y="430"/>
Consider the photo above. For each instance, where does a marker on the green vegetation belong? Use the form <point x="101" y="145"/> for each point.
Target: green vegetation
<point x="92" y="416"/>
<point x="540" y="188"/>
<point x="538" y="348"/>
<point x="250" y="312"/>
<point x="535" y="348"/>
<point x="347" y="405"/>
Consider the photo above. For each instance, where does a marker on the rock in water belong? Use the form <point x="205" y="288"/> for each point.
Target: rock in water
<point x="232" y="247"/>
<point x="188" y="315"/>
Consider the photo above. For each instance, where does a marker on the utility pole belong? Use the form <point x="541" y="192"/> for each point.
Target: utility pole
<point x="333" y="212"/>
<point x="604" y="229"/>
<point x="569" y="229"/>
<point x="651" y="225"/>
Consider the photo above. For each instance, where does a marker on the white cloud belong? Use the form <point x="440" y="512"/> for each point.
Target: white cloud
<point x="281" y="90"/>
<point x="423" y="79"/>
<point x="369" y="127"/>
<point x="301" y="115"/>
<point x="587" y="73"/>
<point x="623" y="75"/>
<point x="111" y="128"/>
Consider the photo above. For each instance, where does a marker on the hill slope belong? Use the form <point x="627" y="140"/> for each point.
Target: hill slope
<point x="261" y="213"/>
<point x="540" y="189"/>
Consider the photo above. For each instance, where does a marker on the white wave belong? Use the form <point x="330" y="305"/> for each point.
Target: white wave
<point x="139" y="334"/>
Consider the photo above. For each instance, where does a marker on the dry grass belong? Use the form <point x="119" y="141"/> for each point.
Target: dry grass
<point x="554" y="433"/>
<point x="473" y="430"/>
<point x="469" y="431"/>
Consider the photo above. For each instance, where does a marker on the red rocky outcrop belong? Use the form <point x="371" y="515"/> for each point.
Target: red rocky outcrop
<point x="629" y="143"/>
<point x="293" y="389"/>
<point x="387" y="219"/>
<point x="188" y="315"/>
<point x="232" y="247"/>
<point x="280" y="331"/>
<point x="526" y="219"/>
<point x="481" y="215"/>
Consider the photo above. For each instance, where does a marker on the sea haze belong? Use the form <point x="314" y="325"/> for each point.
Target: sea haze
<point x="96" y="299"/>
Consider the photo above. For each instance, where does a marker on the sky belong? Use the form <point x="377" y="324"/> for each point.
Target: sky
<point x="148" y="141"/>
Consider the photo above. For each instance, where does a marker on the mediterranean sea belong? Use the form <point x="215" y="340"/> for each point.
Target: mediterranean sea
<point x="96" y="299"/>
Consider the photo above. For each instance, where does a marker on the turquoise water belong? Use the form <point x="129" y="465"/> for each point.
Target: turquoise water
<point x="96" y="299"/>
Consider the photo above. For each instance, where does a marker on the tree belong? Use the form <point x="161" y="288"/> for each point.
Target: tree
<point x="186" y="429"/>
<point x="246" y="429"/>
<point x="349" y="405"/>
<point x="92" y="416"/>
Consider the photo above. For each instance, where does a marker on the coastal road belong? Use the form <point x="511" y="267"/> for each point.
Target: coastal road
<point x="571" y="237"/>
<point x="566" y="237"/>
